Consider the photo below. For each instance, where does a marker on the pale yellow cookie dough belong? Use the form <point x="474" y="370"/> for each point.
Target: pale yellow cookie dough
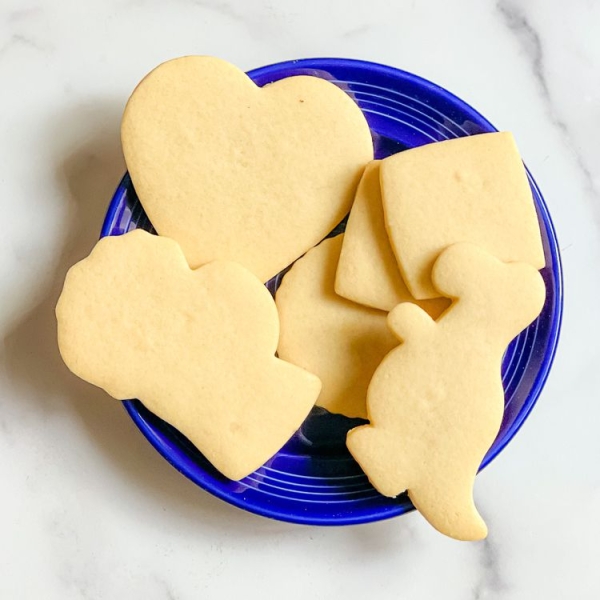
<point x="471" y="189"/>
<point x="237" y="172"/>
<point x="436" y="402"/>
<point x="196" y="347"/>
<point x="338" y="340"/>
<point x="367" y="272"/>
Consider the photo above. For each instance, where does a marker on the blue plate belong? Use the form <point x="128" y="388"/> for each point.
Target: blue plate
<point x="313" y="479"/>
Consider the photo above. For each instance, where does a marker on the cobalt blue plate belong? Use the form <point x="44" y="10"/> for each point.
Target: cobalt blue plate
<point x="313" y="479"/>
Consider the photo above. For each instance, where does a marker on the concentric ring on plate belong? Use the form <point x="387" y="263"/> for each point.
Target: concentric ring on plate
<point x="313" y="479"/>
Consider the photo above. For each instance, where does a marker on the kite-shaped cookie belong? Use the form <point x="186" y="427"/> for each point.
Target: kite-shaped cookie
<point x="368" y="272"/>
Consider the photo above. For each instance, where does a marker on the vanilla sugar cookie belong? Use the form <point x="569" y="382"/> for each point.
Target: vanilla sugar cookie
<point x="237" y="172"/>
<point x="436" y="402"/>
<point x="367" y="272"/>
<point x="338" y="340"/>
<point x="470" y="189"/>
<point x="195" y="346"/>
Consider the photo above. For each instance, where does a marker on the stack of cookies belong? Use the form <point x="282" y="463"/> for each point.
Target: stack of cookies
<point x="402" y="320"/>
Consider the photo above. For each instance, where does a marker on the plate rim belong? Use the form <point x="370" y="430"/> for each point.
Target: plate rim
<point x="183" y="464"/>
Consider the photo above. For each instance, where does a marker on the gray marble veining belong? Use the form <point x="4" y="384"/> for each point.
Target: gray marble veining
<point x="515" y="17"/>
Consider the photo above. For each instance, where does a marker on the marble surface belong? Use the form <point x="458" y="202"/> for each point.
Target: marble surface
<point x="88" y="509"/>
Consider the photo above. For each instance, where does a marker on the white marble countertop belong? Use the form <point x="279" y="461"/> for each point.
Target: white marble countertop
<point x="88" y="509"/>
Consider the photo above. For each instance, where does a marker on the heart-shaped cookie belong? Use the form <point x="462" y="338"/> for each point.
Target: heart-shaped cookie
<point x="237" y="172"/>
<point x="197" y="347"/>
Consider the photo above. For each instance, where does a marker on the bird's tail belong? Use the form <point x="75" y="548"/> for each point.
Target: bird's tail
<point x="448" y="505"/>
